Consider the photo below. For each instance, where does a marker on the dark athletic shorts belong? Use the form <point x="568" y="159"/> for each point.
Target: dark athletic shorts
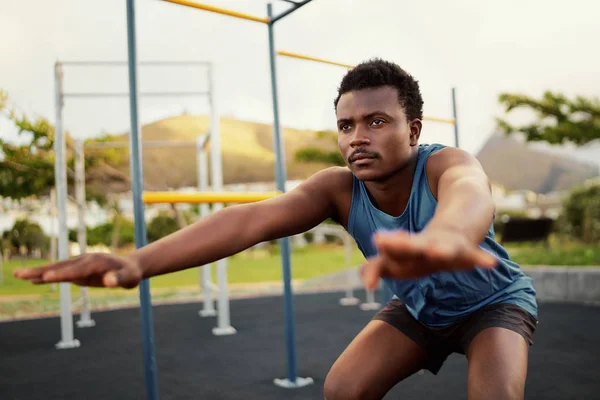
<point x="440" y="342"/>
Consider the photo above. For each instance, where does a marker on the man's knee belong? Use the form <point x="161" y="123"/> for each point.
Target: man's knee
<point x="500" y="391"/>
<point x="343" y="388"/>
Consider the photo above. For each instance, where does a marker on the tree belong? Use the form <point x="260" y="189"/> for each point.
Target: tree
<point x="27" y="168"/>
<point x="317" y="154"/>
<point x="27" y="235"/>
<point x="559" y="119"/>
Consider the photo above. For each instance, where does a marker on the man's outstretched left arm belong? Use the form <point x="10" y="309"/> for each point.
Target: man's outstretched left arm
<point x="451" y="240"/>
<point x="463" y="191"/>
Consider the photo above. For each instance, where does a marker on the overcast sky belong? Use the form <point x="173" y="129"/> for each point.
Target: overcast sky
<point x="481" y="47"/>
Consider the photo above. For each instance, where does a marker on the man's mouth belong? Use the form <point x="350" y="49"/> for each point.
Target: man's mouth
<point x="362" y="156"/>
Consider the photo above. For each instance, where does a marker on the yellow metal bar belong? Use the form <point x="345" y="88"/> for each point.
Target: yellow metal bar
<point x="304" y="57"/>
<point x="206" y="197"/>
<point x="218" y="10"/>
<point x="309" y="58"/>
<point x="440" y="120"/>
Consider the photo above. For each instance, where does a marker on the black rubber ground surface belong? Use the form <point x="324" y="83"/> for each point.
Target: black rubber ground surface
<point x="194" y="364"/>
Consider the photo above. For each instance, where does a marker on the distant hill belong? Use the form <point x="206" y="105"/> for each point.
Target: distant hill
<point x="247" y="152"/>
<point x="517" y="166"/>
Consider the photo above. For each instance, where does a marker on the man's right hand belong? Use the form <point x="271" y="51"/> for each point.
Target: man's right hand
<point x="92" y="269"/>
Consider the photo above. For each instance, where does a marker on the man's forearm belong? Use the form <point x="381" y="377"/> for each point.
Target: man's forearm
<point x="217" y="236"/>
<point x="467" y="207"/>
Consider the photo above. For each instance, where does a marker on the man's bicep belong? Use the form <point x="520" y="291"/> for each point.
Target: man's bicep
<point x="296" y="211"/>
<point x="456" y="167"/>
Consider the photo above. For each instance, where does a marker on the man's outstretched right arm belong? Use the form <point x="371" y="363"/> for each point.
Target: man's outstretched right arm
<point x="214" y="237"/>
<point x="239" y="227"/>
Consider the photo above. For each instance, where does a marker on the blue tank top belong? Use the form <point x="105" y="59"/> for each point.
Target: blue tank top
<point x="445" y="297"/>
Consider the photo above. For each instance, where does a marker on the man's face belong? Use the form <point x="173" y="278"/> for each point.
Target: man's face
<point x="374" y="136"/>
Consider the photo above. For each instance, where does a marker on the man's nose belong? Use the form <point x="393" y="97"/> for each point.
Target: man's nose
<point x="360" y="138"/>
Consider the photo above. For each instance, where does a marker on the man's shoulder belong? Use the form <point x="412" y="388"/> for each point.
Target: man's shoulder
<point x="446" y="157"/>
<point x="333" y="176"/>
<point x="332" y="180"/>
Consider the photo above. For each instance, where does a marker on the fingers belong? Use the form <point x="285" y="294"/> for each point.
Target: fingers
<point x="86" y="270"/>
<point x="406" y="256"/>
<point x="36" y="273"/>
<point x="110" y="279"/>
<point x="67" y="273"/>
<point x="371" y="272"/>
<point x="399" y="244"/>
<point x="449" y="254"/>
<point x="483" y="259"/>
<point x="127" y="278"/>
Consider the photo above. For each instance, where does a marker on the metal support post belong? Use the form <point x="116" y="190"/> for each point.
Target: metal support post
<point x="85" y="320"/>
<point x="67" y="340"/>
<point x="455" y="114"/>
<point x="137" y="186"/>
<point x="349" y="299"/>
<point x="223" y="320"/>
<point x="208" y="305"/>
<point x="292" y="381"/>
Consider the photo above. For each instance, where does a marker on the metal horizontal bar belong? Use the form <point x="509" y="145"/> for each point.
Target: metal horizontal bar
<point x="218" y="10"/>
<point x="291" y="10"/>
<point x="124" y="63"/>
<point x="149" y="143"/>
<point x="309" y="58"/>
<point x="320" y="60"/>
<point x="440" y="120"/>
<point x="206" y="197"/>
<point x="144" y="94"/>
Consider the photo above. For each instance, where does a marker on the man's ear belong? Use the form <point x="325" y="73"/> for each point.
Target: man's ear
<point x="415" y="131"/>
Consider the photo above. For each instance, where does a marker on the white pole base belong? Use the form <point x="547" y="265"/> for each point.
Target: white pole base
<point x="86" y="323"/>
<point x="370" y="306"/>
<point x="62" y="345"/>
<point x="228" y="330"/>
<point x="349" y="301"/>
<point x="287" y="384"/>
<point x="207" y="313"/>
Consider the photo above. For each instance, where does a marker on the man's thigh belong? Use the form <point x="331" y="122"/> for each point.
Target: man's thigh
<point x="377" y="359"/>
<point x="498" y="360"/>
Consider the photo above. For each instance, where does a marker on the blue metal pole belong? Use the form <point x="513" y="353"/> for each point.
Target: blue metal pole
<point x="456" y="142"/>
<point x="280" y="176"/>
<point x="137" y="186"/>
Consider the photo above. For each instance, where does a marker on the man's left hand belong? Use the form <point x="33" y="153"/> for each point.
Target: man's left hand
<point x="407" y="256"/>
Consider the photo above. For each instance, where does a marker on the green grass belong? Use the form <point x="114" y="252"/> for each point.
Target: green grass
<point x="308" y="262"/>
<point x="563" y="254"/>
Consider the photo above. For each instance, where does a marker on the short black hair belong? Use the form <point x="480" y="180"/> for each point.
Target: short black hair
<point x="376" y="73"/>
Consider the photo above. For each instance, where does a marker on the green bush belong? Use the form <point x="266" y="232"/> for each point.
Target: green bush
<point x="126" y="232"/>
<point x="161" y="226"/>
<point x="580" y="218"/>
<point x="102" y="234"/>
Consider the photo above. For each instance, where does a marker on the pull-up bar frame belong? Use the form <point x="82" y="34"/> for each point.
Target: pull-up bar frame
<point x="223" y="11"/>
<point x="206" y="197"/>
<point x="68" y="339"/>
<point x="138" y="205"/>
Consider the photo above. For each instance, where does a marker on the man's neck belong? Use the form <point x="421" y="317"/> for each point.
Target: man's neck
<point x="391" y="194"/>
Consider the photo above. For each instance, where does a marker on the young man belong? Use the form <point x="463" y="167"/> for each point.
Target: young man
<point x="422" y="216"/>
